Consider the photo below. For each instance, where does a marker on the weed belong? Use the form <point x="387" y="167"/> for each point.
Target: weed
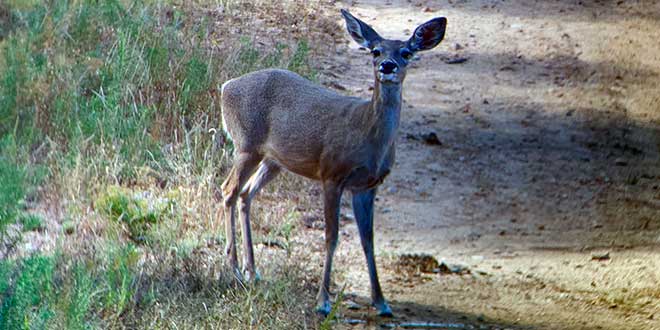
<point x="28" y="306"/>
<point x="31" y="222"/>
<point x="80" y="298"/>
<point x="327" y="323"/>
<point x="68" y="227"/>
<point x="120" y="279"/>
<point x="139" y="212"/>
<point x="299" y="61"/>
<point x="12" y="187"/>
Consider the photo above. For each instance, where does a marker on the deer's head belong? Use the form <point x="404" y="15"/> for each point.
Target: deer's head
<point x="391" y="57"/>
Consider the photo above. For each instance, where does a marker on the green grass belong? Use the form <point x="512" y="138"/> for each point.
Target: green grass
<point x="139" y="212"/>
<point x="12" y="191"/>
<point x="31" y="222"/>
<point x="107" y="114"/>
<point x="119" y="288"/>
<point x="28" y="305"/>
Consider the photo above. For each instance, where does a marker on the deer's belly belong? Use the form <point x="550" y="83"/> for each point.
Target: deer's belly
<point x="307" y="167"/>
<point x="363" y="179"/>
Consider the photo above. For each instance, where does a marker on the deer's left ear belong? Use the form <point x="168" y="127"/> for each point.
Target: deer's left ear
<point x="360" y="31"/>
<point x="428" y="35"/>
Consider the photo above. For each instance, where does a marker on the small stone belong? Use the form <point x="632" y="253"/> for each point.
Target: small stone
<point x="600" y="256"/>
<point x="620" y="162"/>
<point x="348" y="217"/>
<point x="411" y="136"/>
<point x="518" y="27"/>
<point x="456" y="60"/>
<point x="432" y="139"/>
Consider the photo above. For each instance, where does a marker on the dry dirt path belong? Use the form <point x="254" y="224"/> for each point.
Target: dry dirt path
<point x="549" y="156"/>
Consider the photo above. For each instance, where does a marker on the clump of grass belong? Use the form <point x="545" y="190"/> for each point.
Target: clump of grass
<point x="120" y="279"/>
<point x="68" y="227"/>
<point x="11" y="192"/>
<point x="31" y="222"/>
<point x="138" y="211"/>
<point x="81" y="297"/>
<point x="27" y="306"/>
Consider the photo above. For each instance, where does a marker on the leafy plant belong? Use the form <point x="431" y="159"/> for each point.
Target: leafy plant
<point x="137" y="211"/>
<point x="29" y="302"/>
<point x="31" y="222"/>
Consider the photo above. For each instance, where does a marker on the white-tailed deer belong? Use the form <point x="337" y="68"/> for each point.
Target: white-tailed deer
<point x="278" y="119"/>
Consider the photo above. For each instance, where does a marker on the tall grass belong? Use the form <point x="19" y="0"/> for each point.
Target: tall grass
<point x="109" y="109"/>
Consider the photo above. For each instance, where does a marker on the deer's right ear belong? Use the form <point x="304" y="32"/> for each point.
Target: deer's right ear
<point x="428" y="35"/>
<point x="361" y="32"/>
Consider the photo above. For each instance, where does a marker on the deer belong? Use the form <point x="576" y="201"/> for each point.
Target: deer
<point x="278" y="120"/>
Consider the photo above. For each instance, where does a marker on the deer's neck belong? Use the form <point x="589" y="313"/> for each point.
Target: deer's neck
<point x="386" y="109"/>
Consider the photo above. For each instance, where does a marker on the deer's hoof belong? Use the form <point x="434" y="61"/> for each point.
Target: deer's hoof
<point x="323" y="309"/>
<point x="384" y="310"/>
<point x="251" y="276"/>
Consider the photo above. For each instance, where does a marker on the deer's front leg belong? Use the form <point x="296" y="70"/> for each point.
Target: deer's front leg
<point x="363" y="208"/>
<point x="332" y="196"/>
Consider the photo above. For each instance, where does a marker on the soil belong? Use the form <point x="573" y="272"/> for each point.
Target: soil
<point x="543" y="185"/>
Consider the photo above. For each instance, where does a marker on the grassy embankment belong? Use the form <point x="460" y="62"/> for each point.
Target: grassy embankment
<point x="109" y="152"/>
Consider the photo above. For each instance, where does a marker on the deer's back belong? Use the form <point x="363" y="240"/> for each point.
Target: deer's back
<point x="289" y="118"/>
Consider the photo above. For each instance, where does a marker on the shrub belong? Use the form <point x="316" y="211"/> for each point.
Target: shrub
<point x="31" y="222"/>
<point x="137" y="211"/>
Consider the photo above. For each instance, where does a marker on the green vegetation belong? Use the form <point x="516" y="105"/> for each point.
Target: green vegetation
<point x="27" y="306"/>
<point x="109" y="110"/>
<point x="31" y="222"/>
<point x="11" y="192"/>
<point x="137" y="211"/>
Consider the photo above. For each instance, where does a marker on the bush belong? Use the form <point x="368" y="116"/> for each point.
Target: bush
<point x="137" y="211"/>
<point x="31" y="222"/>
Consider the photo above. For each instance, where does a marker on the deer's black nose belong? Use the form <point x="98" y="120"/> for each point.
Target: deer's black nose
<point x="387" y="67"/>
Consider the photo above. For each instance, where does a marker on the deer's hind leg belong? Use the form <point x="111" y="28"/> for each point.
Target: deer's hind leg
<point x="266" y="172"/>
<point x="331" y="199"/>
<point x="244" y="165"/>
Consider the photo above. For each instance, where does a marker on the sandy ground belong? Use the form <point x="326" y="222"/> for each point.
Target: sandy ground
<point x="549" y="158"/>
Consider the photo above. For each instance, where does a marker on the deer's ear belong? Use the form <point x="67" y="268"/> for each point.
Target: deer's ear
<point x="361" y="32"/>
<point x="428" y="35"/>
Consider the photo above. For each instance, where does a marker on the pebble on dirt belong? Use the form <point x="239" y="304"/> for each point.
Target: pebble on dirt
<point x="456" y="60"/>
<point x="600" y="256"/>
<point x="432" y="139"/>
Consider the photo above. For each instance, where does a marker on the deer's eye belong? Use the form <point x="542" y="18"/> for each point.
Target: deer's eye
<point x="406" y="54"/>
<point x="375" y="52"/>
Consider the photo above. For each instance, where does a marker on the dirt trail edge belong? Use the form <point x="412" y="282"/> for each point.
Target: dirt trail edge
<point x="540" y="197"/>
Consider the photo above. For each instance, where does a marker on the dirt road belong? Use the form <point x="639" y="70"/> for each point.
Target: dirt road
<point x="548" y="161"/>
